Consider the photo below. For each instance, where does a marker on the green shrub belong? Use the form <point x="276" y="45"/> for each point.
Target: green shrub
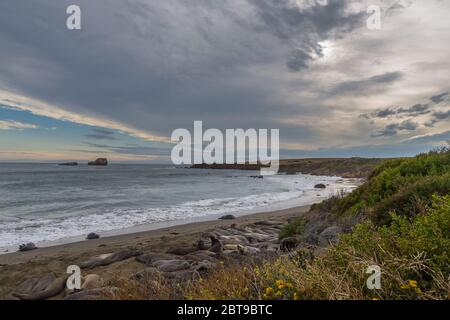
<point x="413" y="255"/>
<point x="293" y="228"/>
<point x="401" y="185"/>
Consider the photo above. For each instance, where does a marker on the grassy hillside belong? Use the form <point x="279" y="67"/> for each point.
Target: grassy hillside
<point x="404" y="215"/>
<point x="405" y="186"/>
<point x="413" y="256"/>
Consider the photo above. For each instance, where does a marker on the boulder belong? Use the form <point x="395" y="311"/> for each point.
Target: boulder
<point x="329" y="236"/>
<point x="27" y="247"/>
<point x="92" y="236"/>
<point x="320" y="186"/>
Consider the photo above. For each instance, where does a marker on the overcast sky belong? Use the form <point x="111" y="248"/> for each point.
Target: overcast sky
<point x="138" y="69"/>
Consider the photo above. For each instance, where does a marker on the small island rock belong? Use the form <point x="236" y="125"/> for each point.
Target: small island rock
<point x="99" y="162"/>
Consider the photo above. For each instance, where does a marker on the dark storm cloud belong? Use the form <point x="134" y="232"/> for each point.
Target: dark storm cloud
<point x="413" y="111"/>
<point x="439" y="98"/>
<point x="160" y="65"/>
<point x="442" y="115"/>
<point x="304" y="27"/>
<point x="438" y="117"/>
<point x="393" y="128"/>
<point x="367" y="86"/>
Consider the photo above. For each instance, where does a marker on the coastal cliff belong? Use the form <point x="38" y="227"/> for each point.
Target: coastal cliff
<point x="343" y="167"/>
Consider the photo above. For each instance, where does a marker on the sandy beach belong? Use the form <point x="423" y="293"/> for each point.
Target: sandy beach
<point x="17" y="267"/>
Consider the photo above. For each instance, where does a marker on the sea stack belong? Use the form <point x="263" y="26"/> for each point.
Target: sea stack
<point x="99" y="162"/>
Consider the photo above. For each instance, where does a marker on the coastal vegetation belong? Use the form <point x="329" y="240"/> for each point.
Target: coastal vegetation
<point x="403" y="214"/>
<point x="413" y="255"/>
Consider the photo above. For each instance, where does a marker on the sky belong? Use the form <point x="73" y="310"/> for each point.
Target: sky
<point x="139" y="69"/>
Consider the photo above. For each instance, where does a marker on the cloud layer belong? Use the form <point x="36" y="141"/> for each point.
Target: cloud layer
<point x="308" y="67"/>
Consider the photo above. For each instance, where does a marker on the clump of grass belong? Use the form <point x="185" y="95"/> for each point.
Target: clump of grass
<point x="329" y="204"/>
<point x="294" y="228"/>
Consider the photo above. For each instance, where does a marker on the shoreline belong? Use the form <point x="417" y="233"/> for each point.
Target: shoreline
<point x="130" y="239"/>
<point x="17" y="267"/>
<point x="307" y="198"/>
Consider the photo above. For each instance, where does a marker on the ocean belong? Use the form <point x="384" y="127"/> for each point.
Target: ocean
<point x="47" y="203"/>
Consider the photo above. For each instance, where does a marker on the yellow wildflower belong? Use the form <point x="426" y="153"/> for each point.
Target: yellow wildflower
<point x="296" y="296"/>
<point x="404" y="286"/>
<point x="412" y="283"/>
<point x="279" y="283"/>
<point x="269" y="290"/>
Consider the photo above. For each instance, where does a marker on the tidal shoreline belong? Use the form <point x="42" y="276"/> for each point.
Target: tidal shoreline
<point x="18" y="266"/>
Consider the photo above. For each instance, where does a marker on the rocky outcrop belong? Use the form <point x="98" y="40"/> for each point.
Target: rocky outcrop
<point x="329" y="236"/>
<point x="99" y="162"/>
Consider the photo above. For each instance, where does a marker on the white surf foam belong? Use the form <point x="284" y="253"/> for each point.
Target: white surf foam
<point x="297" y="190"/>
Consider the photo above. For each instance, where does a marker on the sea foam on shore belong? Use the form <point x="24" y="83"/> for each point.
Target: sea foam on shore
<point x="192" y="195"/>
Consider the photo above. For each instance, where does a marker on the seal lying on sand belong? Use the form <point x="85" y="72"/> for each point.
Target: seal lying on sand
<point x="44" y="288"/>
